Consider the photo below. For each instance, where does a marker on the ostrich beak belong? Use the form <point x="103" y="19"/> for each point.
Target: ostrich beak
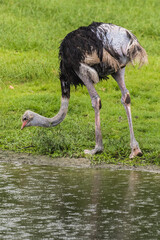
<point x="23" y="124"/>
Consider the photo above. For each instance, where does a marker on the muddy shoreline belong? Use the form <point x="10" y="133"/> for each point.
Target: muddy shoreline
<point x="24" y="158"/>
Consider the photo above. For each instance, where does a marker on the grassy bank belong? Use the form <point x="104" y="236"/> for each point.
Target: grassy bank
<point x="30" y="34"/>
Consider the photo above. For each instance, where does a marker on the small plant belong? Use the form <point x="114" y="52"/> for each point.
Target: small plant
<point x="49" y="142"/>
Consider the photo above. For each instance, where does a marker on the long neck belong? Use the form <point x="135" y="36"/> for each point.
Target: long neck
<point x="51" y="122"/>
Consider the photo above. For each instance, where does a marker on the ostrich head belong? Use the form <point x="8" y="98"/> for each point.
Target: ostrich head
<point x="29" y="118"/>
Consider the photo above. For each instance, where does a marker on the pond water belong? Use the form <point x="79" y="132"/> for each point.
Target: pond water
<point x="48" y="202"/>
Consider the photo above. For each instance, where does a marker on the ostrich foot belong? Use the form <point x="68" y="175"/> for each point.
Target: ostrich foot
<point x="136" y="152"/>
<point x="94" y="151"/>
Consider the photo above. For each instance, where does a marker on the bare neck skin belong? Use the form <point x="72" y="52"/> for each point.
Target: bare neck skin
<point x="34" y="119"/>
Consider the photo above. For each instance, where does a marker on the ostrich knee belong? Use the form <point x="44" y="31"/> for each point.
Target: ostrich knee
<point x="126" y="100"/>
<point x="96" y="103"/>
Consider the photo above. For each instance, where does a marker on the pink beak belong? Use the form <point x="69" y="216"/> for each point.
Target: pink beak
<point x="24" y="124"/>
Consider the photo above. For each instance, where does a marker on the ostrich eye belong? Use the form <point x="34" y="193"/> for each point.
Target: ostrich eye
<point x="24" y="119"/>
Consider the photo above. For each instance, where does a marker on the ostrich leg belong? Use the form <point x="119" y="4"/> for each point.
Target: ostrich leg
<point x="126" y="101"/>
<point x="89" y="76"/>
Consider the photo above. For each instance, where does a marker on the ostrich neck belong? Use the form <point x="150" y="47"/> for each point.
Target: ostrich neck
<point x="51" y="122"/>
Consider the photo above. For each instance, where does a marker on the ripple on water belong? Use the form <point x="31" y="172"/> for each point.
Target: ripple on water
<point x="46" y="202"/>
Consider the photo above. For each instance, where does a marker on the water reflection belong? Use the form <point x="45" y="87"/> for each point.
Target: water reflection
<point x="45" y="202"/>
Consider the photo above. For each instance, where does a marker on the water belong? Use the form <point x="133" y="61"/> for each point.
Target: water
<point x="47" y="202"/>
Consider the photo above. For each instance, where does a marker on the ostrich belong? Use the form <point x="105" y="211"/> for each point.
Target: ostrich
<point x="87" y="55"/>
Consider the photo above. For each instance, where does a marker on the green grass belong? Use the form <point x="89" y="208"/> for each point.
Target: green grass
<point x="30" y="34"/>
